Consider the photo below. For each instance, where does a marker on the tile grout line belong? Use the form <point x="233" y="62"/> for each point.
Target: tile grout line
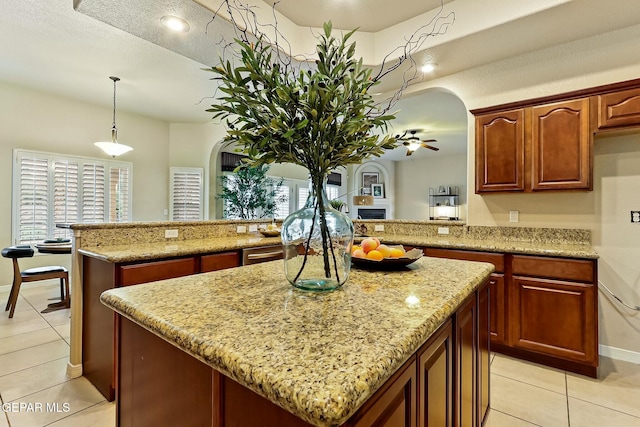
<point x="606" y="407"/>
<point x="517" y="418"/>
<point x="529" y="384"/>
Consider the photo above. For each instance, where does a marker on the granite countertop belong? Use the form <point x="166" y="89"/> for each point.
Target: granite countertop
<point x="496" y="245"/>
<point x="317" y="355"/>
<point x="157" y="250"/>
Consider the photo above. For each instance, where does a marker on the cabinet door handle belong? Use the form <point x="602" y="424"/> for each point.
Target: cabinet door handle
<point x="264" y="255"/>
<point x="492" y="282"/>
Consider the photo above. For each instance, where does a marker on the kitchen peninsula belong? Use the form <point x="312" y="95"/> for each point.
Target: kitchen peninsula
<point x="250" y="344"/>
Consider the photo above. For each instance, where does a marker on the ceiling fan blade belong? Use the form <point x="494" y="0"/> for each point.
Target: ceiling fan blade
<point x="430" y="147"/>
<point x="409" y="152"/>
<point x="428" y="140"/>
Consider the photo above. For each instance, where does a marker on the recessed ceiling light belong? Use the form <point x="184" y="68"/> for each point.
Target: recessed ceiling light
<point x="174" y="23"/>
<point x="428" y="68"/>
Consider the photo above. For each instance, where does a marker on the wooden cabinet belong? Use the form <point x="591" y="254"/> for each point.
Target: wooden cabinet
<point x="392" y="406"/>
<point x="466" y="369"/>
<point x="543" y="309"/>
<point x="99" y="322"/>
<point x="561" y="146"/>
<point x="554" y="309"/>
<point x="545" y="147"/>
<point x="500" y="151"/>
<point x="619" y="109"/>
<point x="497" y="296"/>
<point x="435" y="379"/>
<point x="436" y="387"/>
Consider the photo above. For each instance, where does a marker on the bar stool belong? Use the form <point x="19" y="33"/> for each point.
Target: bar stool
<point x="33" y="275"/>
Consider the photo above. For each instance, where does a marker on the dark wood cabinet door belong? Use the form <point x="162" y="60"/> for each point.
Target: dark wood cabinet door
<point x="134" y="274"/>
<point x="435" y="379"/>
<point x="392" y="406"/>
<point x="497" y="302"/>
<point x="500" y="151"/>
<point x="619" y="109"/>
<point x="555" y="318"/>
<point x="484" y="355"/>
<point x="561" y="144"/>
<point x="214" y="262"/>
<point x="466" y="373"/>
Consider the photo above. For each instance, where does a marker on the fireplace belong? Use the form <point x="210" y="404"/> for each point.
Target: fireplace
<point x="372" y="213"/>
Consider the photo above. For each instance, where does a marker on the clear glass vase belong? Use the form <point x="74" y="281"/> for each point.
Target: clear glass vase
<point x="317" y="243"/>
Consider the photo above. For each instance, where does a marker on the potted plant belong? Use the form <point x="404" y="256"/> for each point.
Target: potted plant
<point x="319" y="114"/>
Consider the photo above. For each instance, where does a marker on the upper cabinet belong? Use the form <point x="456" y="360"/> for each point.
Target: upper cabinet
<point x="546" y="147"/>
<point x="561" y="146"/>
<point x="500" y="151"/>
<point x="547" y="143"/>
<point x="619" y="109"/>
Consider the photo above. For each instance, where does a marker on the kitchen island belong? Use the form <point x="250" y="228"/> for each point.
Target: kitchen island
<point x="289" y="357"/>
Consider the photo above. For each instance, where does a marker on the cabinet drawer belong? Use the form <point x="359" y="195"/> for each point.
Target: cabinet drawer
<point x="493" y="258"/>
<point x="262" y="254"/>
<point x="157" y="270"/>
<point x="557" y="268"/>
<point x="214" y="262"/>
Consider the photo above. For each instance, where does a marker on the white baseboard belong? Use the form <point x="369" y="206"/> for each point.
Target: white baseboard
<point x="620" y="354"/>
<point x="74" y="371"/>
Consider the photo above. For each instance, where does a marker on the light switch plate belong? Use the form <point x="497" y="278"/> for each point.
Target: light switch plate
<point x="514" y="216"/>
<point x="378" y="227"/>
<point x="443" y="230"/>
<point x="170" y="234"/>
<point x="253" y="227"/>
<point x="241" y="229"/>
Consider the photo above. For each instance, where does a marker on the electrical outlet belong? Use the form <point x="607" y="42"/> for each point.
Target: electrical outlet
<point x="170" y="234"/>
<point x="378" y="227"/>
<point x="241" y="229"/>
<point x="514" y="216"/>
<point x="635" y="216"/>
<point x="253" y="227"/>
<point x="443" y="230"/>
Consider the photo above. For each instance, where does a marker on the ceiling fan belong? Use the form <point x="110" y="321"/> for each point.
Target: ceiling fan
<point x="412" y="142"/>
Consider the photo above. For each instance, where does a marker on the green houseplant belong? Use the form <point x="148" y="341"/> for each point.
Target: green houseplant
<point x="249" y="193"/>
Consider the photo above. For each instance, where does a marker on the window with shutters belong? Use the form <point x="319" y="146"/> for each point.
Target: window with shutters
<point x="50" y="189"/>
<point x="187" y="194"/>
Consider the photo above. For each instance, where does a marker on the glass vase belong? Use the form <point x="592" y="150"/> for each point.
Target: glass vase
<point x="317" y="243"/>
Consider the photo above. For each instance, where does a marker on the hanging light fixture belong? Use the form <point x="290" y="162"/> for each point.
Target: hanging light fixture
<point x="113" y="148"/>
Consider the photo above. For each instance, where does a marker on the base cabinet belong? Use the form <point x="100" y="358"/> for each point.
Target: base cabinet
<point x="441" y="385"/>
<point x="99" y="331"/>
<point x="543" y="309"/>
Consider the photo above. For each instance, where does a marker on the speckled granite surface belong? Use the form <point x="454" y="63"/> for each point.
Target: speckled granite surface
<point x="318" y="355"/>
<point x="174" y="248"/>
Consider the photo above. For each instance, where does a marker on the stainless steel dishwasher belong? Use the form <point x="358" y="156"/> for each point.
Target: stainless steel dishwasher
<point x="261" y="254"/>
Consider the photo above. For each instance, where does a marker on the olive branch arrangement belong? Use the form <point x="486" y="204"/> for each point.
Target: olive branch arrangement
<point x="314" y="111"/>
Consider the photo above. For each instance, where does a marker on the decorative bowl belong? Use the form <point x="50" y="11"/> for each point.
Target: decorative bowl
<point x="388" y="263"/>
<point x="270" y="233"/>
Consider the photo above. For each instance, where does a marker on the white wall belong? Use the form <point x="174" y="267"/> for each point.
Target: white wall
<point x="414" y="178"/>
<point x="35" y="120"/>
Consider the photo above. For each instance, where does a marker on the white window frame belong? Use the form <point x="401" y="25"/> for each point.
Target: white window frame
<point x="186" y="171"/>
<point x="51" y="158"/>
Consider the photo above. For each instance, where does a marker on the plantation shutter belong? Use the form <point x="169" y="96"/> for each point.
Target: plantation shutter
<point x="187" y="194"/>
<point x="65" y="195"/>
<point x="119" y="186"/>
<point x="303" y="194"/>
<point x="34" y="199"/>
<point x="93" y="193"/>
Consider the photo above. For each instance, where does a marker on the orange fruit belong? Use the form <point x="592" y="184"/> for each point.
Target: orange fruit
<point x="355" y="248"/>
<point x="358" y="253"/>
<point x="376" y="240"/>
<point x="368" y="245"/>
<point x="374" y="255"/>
<point x="384" y="250"/>
<point x="396" y="253"/>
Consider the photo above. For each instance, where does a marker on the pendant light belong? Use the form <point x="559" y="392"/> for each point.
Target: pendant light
<point x="113" y="148"/>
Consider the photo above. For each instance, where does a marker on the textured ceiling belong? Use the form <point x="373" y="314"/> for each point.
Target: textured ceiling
<point x="48" y="46"/>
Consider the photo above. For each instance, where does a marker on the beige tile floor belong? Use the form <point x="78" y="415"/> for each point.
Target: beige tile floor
<point x="34" y="350"/>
